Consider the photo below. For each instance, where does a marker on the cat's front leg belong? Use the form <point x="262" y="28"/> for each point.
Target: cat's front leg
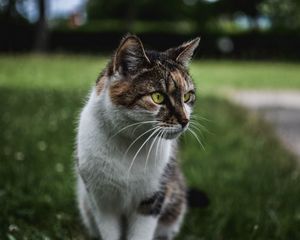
<point x="107" y="218"/>
<point x="141" y="227"/>
<point x="143" y="223"/>
<point x="109" y="225"/>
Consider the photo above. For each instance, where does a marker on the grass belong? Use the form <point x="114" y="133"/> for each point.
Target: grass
<point x="79" y="72"/>
<point x="222" y="76"/>
<point x="252" y="181"/>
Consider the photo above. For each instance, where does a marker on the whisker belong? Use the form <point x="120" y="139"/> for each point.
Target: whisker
<point x="199" y="117"/>
<point x="195" y="135"/>
<point x="141" y="125"/>
<point x="134" y="157"/>
<point x="131" y="125"/>
<point x="151" y="146"/>
<point x="126" y="152"/>
<point x="196" y="129"/>
<point x="200" y="126"/>
<point x="197" y="122"/>
<point x="184" y="138"/>
<point x="164" y="134"/>
<point x="158" y="145"/>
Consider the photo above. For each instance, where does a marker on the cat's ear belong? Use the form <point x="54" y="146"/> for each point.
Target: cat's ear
<point x="184" y="53"/>
<point x="130" y="55"/>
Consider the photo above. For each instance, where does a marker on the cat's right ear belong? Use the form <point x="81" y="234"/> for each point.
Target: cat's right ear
<point x="130" y="56"/>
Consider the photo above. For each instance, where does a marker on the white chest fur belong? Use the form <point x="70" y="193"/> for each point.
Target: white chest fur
<point x="121" y="176"/>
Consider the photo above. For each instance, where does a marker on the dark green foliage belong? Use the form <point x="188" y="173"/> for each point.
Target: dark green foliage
<point x="284" y="15"/>
<point x="143" y="9"/>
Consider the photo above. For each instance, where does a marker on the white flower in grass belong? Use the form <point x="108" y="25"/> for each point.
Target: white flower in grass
<point x="59" y="167"/>
<point x="42" y="145"/>
<point x="19" y="156"/>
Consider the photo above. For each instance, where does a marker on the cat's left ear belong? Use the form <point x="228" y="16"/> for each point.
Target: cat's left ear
<point x="130" y="56"/>
<point x="184" y="53"/>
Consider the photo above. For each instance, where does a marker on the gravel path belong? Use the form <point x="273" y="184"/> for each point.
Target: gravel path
<point x="280" y="108"/>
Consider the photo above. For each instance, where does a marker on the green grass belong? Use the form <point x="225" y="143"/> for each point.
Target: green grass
<point x="253" y="183"/>
<point x="79" y="72"/>
<point x="222" y="76"/>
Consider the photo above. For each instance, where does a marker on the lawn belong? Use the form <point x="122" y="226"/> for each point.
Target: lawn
<point x="251" y="180"/>
<point x="79" y="72"/>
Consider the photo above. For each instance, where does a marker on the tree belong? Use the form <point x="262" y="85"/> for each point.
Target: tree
<point x="12" y="14"/>
<point x="9" y="13"/>
<point x="41" y="27"/>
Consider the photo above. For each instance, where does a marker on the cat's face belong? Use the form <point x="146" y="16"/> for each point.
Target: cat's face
<point x="152" y="87"/>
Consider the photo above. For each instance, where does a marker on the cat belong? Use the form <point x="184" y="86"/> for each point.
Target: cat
<point x="129" y="183"/>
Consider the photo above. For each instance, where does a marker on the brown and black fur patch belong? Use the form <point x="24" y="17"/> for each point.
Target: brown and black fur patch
<point x="153" y="204"/>
<point x="169" y="201"/>
<point x="121" y="93"/>
<point x="175" y="194"/>
<point x="100" y="83"/>
<point x="143" y="72"/>
<point x="166" y="77"/>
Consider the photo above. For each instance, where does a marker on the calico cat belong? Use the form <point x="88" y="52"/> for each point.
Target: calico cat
<point x="129" y="183"/>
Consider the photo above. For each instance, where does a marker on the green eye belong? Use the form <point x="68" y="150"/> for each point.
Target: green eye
<point x="187" y="97"/>
<point x="157" y="97"/>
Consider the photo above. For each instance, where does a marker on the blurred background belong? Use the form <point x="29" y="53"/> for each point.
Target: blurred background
<point x="257" y="29"/>
<point x="247" y="114"/>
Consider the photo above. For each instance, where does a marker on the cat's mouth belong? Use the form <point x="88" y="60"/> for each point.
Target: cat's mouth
<point x="171" y="132"/>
